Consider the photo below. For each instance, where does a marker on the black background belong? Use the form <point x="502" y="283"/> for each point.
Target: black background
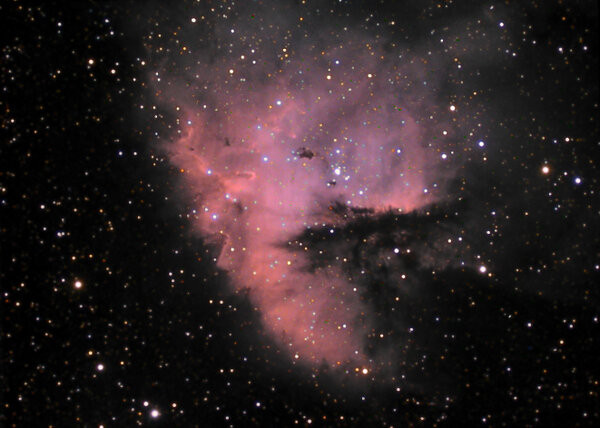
<point x="77" y="157"/>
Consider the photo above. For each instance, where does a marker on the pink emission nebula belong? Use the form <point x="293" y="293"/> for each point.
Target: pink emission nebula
<point x="266" y="151"/>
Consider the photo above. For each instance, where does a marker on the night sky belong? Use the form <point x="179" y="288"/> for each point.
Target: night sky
<point x="300" y="213"/>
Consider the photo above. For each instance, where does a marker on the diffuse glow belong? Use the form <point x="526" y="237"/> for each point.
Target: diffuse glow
<point x="269" y="158"/>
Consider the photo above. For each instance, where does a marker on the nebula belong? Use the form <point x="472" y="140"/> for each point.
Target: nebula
<point x="275" y="139"/>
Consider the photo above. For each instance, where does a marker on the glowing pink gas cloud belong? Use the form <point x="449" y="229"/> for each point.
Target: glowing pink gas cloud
<point x="266" y="154"/>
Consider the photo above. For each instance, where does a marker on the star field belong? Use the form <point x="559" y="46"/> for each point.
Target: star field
<point x="311" y="213"/>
